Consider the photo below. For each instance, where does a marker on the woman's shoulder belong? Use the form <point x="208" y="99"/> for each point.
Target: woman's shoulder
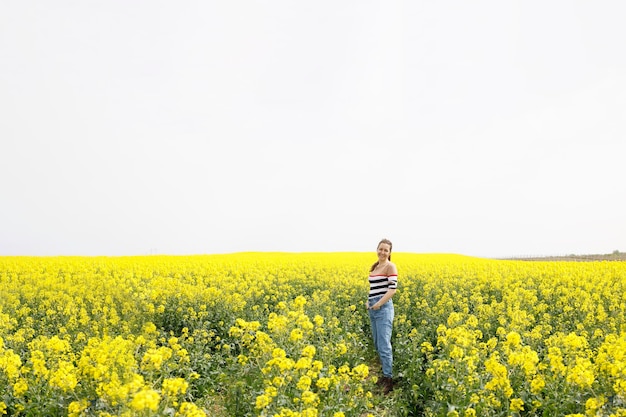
<point x="388" y="269"/>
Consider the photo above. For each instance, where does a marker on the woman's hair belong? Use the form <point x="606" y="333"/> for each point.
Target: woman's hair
<point x="388" y="242"/>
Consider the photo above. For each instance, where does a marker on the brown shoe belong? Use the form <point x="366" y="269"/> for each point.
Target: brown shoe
<point x="387" y="385"/>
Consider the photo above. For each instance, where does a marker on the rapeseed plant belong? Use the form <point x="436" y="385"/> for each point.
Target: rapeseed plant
<point x="274" y="334"/>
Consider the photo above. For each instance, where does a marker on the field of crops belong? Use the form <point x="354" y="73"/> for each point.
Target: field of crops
<point x="270" y="334"/>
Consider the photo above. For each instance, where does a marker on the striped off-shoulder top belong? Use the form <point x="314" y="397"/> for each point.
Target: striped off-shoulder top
<point x="379" y="284"/>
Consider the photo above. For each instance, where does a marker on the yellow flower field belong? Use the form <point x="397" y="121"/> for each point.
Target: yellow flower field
<point x="277" y="334"/>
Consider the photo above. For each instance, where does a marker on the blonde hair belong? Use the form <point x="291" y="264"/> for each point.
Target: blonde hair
<point x="388" y="242"/>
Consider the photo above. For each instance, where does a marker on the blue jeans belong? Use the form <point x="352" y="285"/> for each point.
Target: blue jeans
<point x="382" y="324"/>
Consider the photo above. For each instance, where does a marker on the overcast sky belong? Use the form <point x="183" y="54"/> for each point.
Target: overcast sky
<point x="485" y="128"/>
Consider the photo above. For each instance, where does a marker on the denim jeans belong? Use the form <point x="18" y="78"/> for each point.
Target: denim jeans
<point x="382" y="324"/>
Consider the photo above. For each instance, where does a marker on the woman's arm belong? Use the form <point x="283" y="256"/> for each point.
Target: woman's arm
<point x="390" y="292"/>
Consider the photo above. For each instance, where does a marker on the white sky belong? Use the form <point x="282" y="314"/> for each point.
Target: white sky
<point x="486" y="128"/>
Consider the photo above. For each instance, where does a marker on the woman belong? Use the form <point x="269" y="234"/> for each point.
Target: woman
<point x="383" y="280"/>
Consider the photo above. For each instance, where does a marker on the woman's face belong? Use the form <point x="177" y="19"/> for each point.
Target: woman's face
<point x="383" y="252"/>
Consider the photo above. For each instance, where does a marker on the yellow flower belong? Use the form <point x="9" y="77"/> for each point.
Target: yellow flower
<point x="10" y="362"/>
<point x="517" y="404"/>
<point x="537" y="384"/>
<point x="323" y="383"/>
<point x="499" y="380"/>
<point x="310" y="398"/>
<point x="146" y="399"/>
<point x="277" y="323"/>
<point x="304" y="383"/>
<point x="271" y="391"/>
<point x="64" y="377"/>
<point x="20" y="387"/>
<point x="526" y="358"/>
<point x="174" y="386"/>
<point x="299" y="302"/>
<point x="263" y="401"/>
<point x="278" y="353"/>
<point x="593" y="405"/>
<point x="303" y="363"/>
<point x="426" y="347"/>
<point x="308" y="351"/>
<point x="360" y="372"/>
<point x="77" y="407"/>
<point x="284" y="364"/>
<point x="56" y="312"/>
<point x="556" y="361"/>
<point x="57" y="345"/>
<point x="317" y="366"/>
<point x="581" y="374"/>
<point x="295" y="335"/>
<point x="513" y="339"/>
<point x="149" y="328"/>
<point x="469" y="412"/>
<point x="308" y="412"/>
<point x="189" y="410"/>
<point x="153" y="359"/>
<point x="456" y="353"/>
<point x="318" y="320"/>
<point x="235" y="332"/>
